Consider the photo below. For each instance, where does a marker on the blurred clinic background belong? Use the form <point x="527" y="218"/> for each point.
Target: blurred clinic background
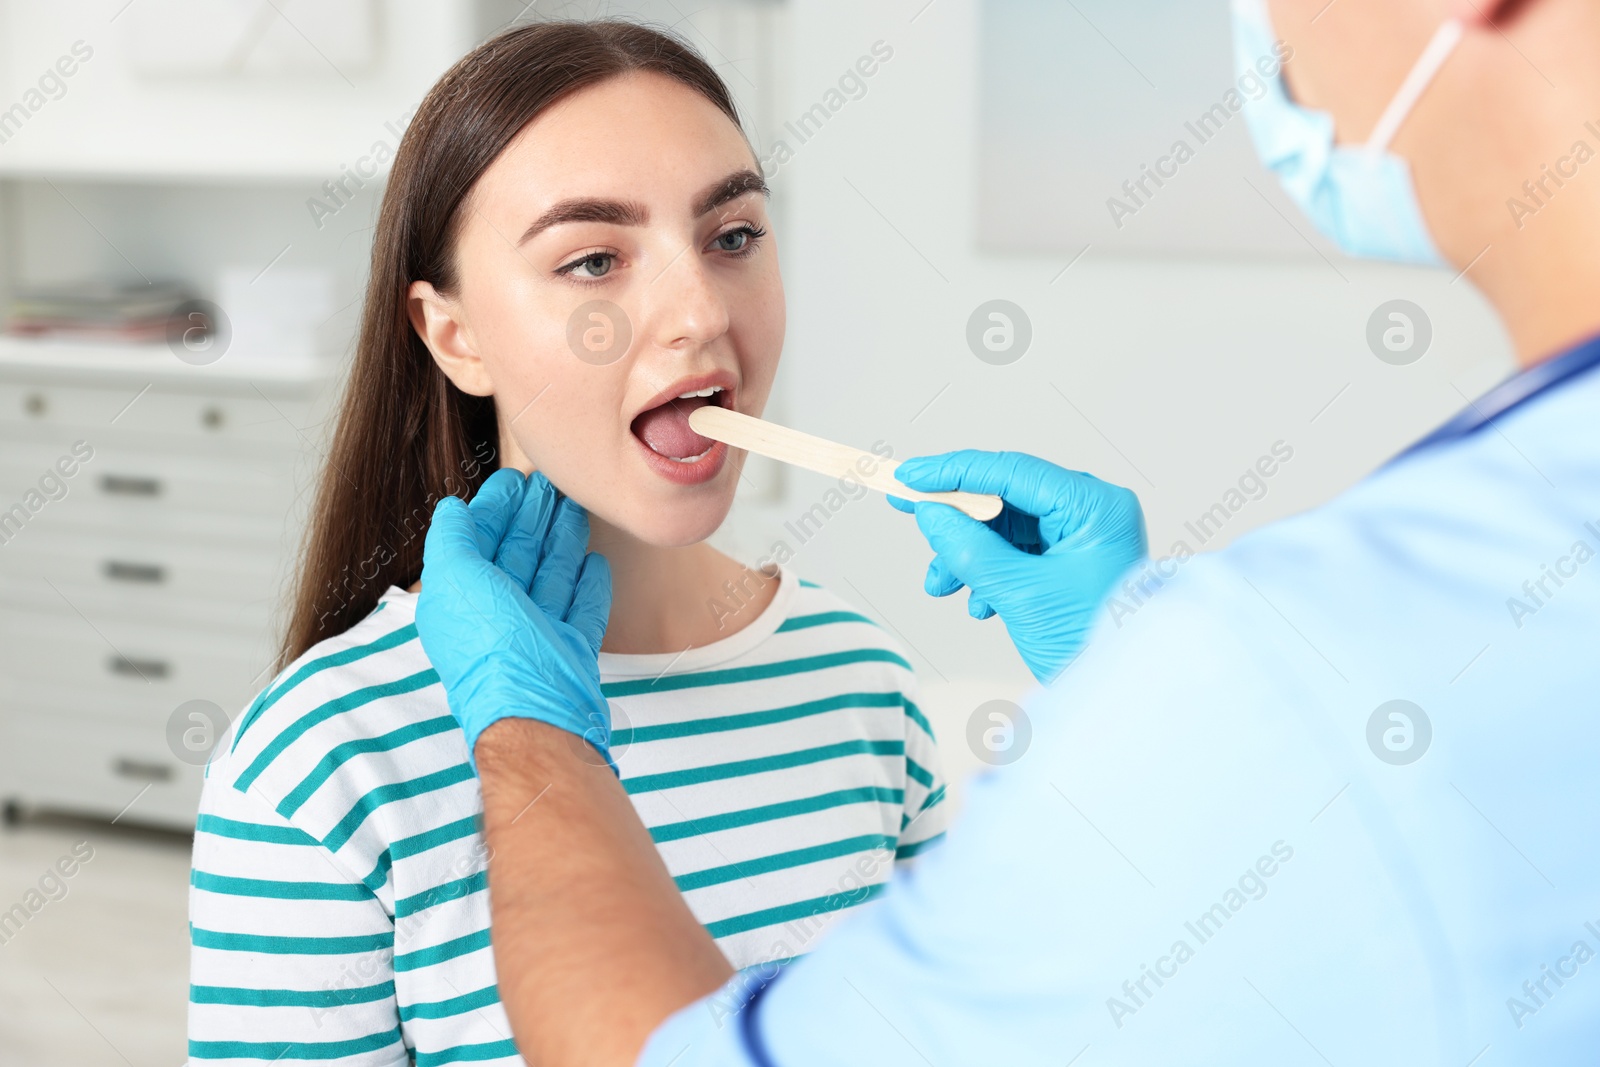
<point x="965" y="266"/>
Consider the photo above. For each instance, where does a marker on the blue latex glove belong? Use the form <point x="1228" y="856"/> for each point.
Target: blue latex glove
<point x="513" y="609"/>
<point x="1045" y="564"/>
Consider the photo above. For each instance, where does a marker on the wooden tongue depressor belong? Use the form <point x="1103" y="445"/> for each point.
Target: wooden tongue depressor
<point x="825" y="457"/>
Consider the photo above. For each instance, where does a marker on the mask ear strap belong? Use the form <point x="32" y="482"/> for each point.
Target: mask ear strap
<point x="1444" y="42"/>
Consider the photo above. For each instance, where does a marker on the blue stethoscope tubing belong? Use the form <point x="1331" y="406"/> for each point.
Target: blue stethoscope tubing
<point x="1515" y="391"/>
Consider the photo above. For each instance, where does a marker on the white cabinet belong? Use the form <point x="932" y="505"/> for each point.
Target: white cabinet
<point x="277" y="89"/>
<point x="149" y="516"/>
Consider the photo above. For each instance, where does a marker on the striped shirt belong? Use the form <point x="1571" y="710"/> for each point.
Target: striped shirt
<point x="338" y="905"/>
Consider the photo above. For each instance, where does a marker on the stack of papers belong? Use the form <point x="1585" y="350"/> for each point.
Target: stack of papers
<point x="97" y="311"/>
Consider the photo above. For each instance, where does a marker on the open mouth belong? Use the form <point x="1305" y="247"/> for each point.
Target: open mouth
<point x="664" y="429"/>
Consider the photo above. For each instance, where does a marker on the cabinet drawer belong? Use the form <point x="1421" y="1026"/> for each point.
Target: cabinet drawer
<point x="252" y="620"/>
<point x="132" y="483"/>
<point x="93" y="515"/>
<point x="139" y="711"/>
<point x="121" y="659"/>
<point x="138" y="571"/>
<point x="53" y="758"/>
<point x="253" y="418"/>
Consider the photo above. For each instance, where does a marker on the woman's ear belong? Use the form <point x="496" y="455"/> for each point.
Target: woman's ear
<point x="438" y="321"/>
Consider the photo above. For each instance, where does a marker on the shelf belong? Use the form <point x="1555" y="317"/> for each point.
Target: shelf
<point x="166" y="170"/>
<point x="101" y="362"/>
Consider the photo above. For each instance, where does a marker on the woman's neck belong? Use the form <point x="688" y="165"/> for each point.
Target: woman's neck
<point x="674" y="599"/>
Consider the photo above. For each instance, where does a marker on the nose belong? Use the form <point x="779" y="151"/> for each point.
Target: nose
<point x="685" y="305"/>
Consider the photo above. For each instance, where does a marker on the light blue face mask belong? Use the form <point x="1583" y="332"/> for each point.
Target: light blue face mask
<point x="1362" y="196"/>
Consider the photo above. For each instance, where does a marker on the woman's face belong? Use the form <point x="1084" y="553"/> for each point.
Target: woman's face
<point x="615" y="272"/>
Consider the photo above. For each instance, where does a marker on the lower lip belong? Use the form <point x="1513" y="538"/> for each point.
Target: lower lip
<point x="698" y="472"/>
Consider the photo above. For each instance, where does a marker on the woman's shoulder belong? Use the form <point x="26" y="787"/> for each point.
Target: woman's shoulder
<point x="816" y="616"/>
<point x="358" y="712"/>
<point x="836" y="631"/>
<point x="377" y="658"/>
<point x="834" y="641"/>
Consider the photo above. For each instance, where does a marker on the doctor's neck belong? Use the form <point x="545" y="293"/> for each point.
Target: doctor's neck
<point x="1508" y="170"/>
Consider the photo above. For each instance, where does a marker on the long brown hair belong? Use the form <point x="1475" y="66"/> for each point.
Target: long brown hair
<point x="406" y="436"/>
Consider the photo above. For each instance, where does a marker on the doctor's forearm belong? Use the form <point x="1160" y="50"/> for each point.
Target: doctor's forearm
<point x="593" y="944"/>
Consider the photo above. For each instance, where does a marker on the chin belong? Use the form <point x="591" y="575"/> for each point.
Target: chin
<point x="677" y="527"/>
<point x="652" y="509"/>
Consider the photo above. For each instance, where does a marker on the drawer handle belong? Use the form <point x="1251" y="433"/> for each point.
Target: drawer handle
<point x="148" y="669"/>
<point x="127" y="485"/>
<point x="122" y="571"/>
<point x="35" y="404"/>
<point x="143" y="770"/>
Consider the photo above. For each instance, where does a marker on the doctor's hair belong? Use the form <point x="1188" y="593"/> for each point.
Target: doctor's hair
<point x="405" y="435"/>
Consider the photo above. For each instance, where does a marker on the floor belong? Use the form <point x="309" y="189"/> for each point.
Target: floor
<point x="97" y="973"/>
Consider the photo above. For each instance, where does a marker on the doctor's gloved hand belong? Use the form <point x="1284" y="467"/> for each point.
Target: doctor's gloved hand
<point x="513" y="609"/>
<point x="1045" y="564"/>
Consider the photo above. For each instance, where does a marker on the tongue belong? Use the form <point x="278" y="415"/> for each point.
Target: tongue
<point x="666" y="428"/>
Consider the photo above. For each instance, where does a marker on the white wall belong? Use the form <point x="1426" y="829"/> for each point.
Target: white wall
<point x="1179" y="372"/>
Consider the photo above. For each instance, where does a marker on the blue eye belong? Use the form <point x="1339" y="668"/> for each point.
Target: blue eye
<point x="739" y="241"/>
<point x="594" y="265"/>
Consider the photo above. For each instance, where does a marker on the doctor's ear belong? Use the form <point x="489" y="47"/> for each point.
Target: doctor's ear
<point x="1486" y="12"/>
<point x="438" y="320"/>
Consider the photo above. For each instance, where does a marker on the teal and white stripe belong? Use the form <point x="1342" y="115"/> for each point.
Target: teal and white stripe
<point x="338" y="904"/>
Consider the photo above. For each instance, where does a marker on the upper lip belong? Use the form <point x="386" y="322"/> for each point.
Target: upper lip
<point x="690" y="384"/>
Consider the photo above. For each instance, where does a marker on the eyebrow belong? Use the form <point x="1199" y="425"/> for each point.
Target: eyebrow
<point x="732" y="187"/>
<point x="582" y="209"/>
<point x="633" y="213"/>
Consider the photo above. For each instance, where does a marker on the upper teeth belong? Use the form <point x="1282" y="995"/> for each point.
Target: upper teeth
<point x="708" y="391"/>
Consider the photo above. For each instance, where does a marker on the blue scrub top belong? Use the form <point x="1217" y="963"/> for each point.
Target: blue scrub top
<point x="1515" y="391"/>
<point x="1330" y="797"/>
